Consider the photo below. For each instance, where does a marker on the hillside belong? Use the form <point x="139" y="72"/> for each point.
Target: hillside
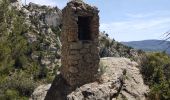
<point x="150" y="45"/>
<point x="30" y="60"/>
<point x="30" y="48"/>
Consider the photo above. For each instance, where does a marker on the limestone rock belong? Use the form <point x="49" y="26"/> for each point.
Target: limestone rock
<point x="16" y="3"/>
<point x="120" y="80"/>
<point x="53" y="19"/>
<point x="43" y="24"/>
<point x="40" y="92"/>
<point x="111" y="48"/>
<point x="31" y="37"/>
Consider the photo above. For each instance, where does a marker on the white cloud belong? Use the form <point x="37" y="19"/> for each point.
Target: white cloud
<point x="130" y="15"/>
<point x="137" y="29"/>
<point x="148" y="14"/>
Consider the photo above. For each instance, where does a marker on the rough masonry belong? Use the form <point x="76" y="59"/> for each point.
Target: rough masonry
<point x="80" y="53"/>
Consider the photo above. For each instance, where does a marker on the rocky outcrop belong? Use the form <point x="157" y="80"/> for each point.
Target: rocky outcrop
<point x="43" y="25"/>
<point x="48" y="15"/>
<point x="40" y="92"/>
<point x="16" y="3"/>
<point x="120" y="80"/>
<point x="111" y="48"/>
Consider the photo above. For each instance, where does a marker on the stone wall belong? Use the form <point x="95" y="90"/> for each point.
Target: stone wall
<point x="80" y="58"/>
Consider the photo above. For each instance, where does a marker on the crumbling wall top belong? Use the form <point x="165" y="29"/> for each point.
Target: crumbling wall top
<point x="81" y="8"/>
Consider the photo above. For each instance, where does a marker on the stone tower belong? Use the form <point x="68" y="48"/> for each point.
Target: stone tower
<point x="80" y="53"/>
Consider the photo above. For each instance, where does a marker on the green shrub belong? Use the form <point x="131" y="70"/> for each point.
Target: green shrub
<point x="102" y="68"/>
<point x="11" y="94"/>
<point x="20" y="82"/>
<point x="156" y="74"/>
<point x="19" y="73"/>
<point x="17" y="69"/>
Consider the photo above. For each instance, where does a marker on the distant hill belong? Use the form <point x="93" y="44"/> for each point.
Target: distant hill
<point x="150" y="45"/>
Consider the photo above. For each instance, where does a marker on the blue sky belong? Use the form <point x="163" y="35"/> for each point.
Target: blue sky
<point x="128" y="20"/>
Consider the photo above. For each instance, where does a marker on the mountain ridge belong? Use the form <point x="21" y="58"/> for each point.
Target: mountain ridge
<point x="150" y="45"/>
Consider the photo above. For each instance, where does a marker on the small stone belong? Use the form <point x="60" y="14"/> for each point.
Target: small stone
<point x="74" y="57"/>
<point x="78" y="8"/>
<point x="75" y="62"/>
<point x="86" y="45"/>
<point x="74" y="8"/>
<point x="89" y="60"/>
<point x="72" y="52"/>
<point x="88" y="56"/>
<point x="73" y="70"/>
<point x="83" y="51"/>
<point x="75" y="46"/>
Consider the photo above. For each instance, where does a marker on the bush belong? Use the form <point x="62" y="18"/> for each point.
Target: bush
<point x="156" y="74"/>
<point x="17" y="69"/>
<point x="20" y="82"/>
<point x="11" y="94"/>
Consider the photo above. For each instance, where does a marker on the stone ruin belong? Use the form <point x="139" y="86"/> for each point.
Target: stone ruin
<point x="80" y="52"/>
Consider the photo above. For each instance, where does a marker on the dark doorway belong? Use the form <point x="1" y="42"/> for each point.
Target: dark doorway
<point x="84" y="28"/>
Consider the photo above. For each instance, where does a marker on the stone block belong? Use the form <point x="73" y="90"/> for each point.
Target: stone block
<point x="73" y="62"/>
<point x="75" y="45"/>
<point x="74" y="57"/>
<point x="87" y="56"/>
<point x="83" y="51"/>
<point x="73" y="69"/>
<point x="73" y="52"/>
<point x="86" y="46"/>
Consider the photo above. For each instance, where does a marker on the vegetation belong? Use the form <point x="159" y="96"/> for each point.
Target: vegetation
<point x="19" y="73"/>
<point x="155" y="68"/>
<point x="112" y="48"/>
<point x="102" y="68"/>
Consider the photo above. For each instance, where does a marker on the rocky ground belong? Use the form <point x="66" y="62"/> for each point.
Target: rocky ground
<point x="120" y="80"/>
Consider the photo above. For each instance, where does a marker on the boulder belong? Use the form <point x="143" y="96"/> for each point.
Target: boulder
<point x="16" y="3"/>
<point x="40" y="92"/>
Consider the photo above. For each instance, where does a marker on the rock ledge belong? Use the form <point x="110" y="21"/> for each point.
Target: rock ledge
<point x="120" y="80"/>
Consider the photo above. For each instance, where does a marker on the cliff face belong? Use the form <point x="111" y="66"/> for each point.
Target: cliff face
<point x="43" y="25"/>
